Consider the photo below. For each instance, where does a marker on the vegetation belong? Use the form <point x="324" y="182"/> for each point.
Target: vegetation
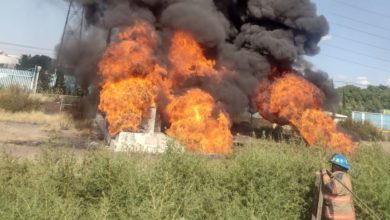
<point x="45" y="74"/>
<point x="54" y="122"/>
<point x="371" y="99"/>
<point x="362" y="131"/>
<point x="263" y="180"/>
<point x="15" y="99"/>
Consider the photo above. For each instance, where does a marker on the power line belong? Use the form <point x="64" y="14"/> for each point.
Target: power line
<point x="354" y="62"/>
<point x="25" y="46"/>
<point x="361" y="31"/>
<point x="362" y="9"/>
<point x="361" y="42"/>
<point x="358" y="21"/>
<point x="357" y="52"/>
<point x="27" y="52"/>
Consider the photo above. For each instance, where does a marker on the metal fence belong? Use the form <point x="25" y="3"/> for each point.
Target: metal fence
<point x="27" y="79"/>
<point x="381" y="121"/>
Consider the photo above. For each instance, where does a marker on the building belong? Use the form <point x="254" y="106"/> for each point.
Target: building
<point x="8" y="61"/>
<point x="379" y="120"/>
<point x="337" y="117"/>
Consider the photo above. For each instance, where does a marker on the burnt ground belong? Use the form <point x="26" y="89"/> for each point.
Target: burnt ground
<point x="25" y="140"/>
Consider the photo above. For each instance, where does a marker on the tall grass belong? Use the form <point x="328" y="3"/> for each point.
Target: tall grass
<point x="15" y="99"/>
<point x="263" y="180"/>
<point x="362" y="131"/>
<point x="53" y="122"/>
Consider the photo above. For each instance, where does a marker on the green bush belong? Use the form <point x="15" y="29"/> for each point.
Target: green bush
<point x="15" y="99"/>
<point x="260" y="181"/>
<point x="366" y="131"/>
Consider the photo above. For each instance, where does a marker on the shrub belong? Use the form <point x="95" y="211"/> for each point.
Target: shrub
<point x="260" y="181"/>
<point x="15" y="99"/>
<point x="366" y="131"/>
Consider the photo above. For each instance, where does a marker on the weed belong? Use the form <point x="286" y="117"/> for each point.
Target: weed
<point x="262" y="180"/>
<point x="363" y="131"/>
<point x="15" y="99"/>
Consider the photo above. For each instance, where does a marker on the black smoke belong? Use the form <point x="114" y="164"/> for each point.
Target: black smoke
<point x="247" y="37"/>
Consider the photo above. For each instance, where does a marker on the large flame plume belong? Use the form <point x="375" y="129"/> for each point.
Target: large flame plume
<point x="222" y="49"/>
<point x="188" y="59"/>
<point x="135" y="77"/>
<point x="133" y="80"/>
<point x="289" y="98"/>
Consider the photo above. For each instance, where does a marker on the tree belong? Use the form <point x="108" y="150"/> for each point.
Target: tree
<point x="371" y="99"/>
<point x="59" y="86"/>
<point x="46" y="73"/>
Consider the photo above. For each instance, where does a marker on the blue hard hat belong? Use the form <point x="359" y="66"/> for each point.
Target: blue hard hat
<point x="340" y="160"/>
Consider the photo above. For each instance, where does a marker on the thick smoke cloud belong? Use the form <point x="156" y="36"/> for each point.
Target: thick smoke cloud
<point x="248" y="37"/>
<point x="209" y="28"/>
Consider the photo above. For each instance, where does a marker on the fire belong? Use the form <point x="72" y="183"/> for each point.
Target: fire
<point x="134" y="77"/>
<point x="132" y="55"/>
<point x="291" y="99"/>
<point x="188" y="60"/>
<point x="131" y="78"/>
<point x="197" y="123"/>
<point x="126" y="103"/>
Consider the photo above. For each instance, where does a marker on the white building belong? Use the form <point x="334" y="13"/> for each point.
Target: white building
<point x="8" y="61"/>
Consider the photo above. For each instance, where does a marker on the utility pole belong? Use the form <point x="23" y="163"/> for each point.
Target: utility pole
<point x="73" y="31"/>
<point x="73" y="27"/>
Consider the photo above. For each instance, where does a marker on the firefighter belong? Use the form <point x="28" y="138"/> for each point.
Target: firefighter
<point x="337" y="188"/>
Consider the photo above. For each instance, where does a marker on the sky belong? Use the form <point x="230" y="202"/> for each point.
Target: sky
<point x="356" y="50"/>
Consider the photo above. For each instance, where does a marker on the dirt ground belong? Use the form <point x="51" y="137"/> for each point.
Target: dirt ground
<point x="386" y="146"/>
<point x="24" y="140"/>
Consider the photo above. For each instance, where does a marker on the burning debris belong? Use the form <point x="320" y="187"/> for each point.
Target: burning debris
<point x="202" y="62"/>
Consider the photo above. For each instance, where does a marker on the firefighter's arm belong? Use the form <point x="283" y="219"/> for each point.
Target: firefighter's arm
<point x="328" y="183"/>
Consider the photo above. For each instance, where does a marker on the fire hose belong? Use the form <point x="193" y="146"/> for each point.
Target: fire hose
<point x="358" y="199"/>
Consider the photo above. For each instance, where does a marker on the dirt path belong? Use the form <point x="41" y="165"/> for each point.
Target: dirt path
<point x="25" y="140"/>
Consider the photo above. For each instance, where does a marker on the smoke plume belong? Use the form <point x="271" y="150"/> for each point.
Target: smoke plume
<point x="248" y="39"/>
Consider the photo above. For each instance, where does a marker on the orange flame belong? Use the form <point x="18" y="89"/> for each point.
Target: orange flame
<point x="197" y="123"/>
<point x="291" y="99"/>
<point x="188" y="60"/>
<point x="132" y="55"/>
<point x="126" y="103"/>
<point x="131" y="76"/>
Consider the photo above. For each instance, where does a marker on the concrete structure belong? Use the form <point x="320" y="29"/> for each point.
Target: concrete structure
<point x="337" y="117"/>
<point x="148" y="141"/>
<point x="379" y="120"/>
<point x="140" y="142"/>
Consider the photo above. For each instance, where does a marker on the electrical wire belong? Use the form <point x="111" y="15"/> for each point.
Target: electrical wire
<point x="24" y="46"/>
<point x="354" y="62"/>
<point x="362" y="9"/>
<point x="359" y="30"/>
<point x="357" y="52"/>
<point x="358" y="21"/>
<point x="361" y="42"/>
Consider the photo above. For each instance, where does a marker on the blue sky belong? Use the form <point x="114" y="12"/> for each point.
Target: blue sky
<point x="356" y="51"/>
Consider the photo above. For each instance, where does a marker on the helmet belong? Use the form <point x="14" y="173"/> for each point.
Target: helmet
<point x="340" y="160"/>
